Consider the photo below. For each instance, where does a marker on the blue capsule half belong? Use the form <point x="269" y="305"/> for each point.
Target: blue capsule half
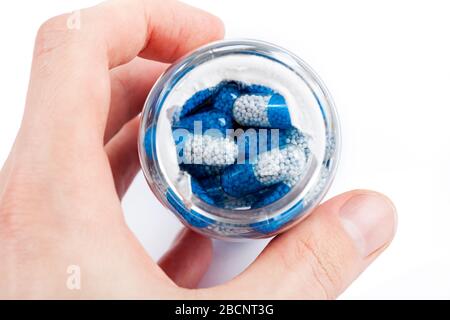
<point x="278" y="112"/>
<point x="200" y="122"/>
<point x="201" y="171"/>
<point x="240" y="180"/>
<point x="227" y="93"/>
<point x="272" y="225"/>
<point x="200" y="100"/>
<point x="271" y="194"/>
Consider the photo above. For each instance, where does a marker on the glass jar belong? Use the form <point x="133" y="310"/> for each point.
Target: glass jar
<point x="239" y="85"/>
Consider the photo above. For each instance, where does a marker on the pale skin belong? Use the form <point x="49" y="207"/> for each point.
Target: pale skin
<point x="75" y="156"/>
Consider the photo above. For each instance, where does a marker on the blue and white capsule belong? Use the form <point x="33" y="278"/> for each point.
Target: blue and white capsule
<point x="267" y="111"/>
<point x="252" y="105"/>
<point x="279" y="190"/>
<point x="270" y="168"/>
<point x="260" y="140"/>
<point x="199" y="149"/>
<point x="210" y="191"/>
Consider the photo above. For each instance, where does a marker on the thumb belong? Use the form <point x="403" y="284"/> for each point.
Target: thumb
<point x="321" y="256"/>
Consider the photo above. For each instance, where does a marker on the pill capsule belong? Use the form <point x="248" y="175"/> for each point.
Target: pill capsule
<point x="210" y="190"/>
<point x="201" y="171"/>
<point x="198" y="101"/>
<point x="272" y="194"/>
<point x="212" y="186"/>
<point x="200" y="122"/>
<point x="252" y="105"/>
<point x="279" y="190"/>
<point x="271" y="225"/>
<point x="269" y="111"/>
<point x="270" y="168"/>
<point x="253" y="142"/>
<point x="199" y="190"/>
<point x="227" y="93"/>
<point x="200" y="149"/>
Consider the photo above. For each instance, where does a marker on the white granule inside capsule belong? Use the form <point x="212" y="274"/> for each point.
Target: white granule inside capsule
<point x="280" y="165"/>
<point x="250" y="110"/>
<point x="295" y="137"/>
<point x="292" y="181"/>
<point x="205" y="149"/>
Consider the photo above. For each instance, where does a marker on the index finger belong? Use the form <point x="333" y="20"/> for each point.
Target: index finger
<point x="116" y="31"/>
<point x="70" y="84"/>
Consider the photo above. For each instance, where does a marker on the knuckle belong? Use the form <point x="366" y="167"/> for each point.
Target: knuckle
<point x="325" y="271"/>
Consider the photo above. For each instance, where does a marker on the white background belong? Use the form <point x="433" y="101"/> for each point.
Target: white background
<point x="387" y="64"/>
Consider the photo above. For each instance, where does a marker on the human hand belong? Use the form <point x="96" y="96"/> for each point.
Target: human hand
<point x="75" y="156"/>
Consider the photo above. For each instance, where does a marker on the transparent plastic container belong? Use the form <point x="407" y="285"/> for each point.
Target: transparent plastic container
<point x="251" y="62"/>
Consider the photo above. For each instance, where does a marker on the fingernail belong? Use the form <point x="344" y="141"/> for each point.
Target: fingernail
<point x="369" y="219"/>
